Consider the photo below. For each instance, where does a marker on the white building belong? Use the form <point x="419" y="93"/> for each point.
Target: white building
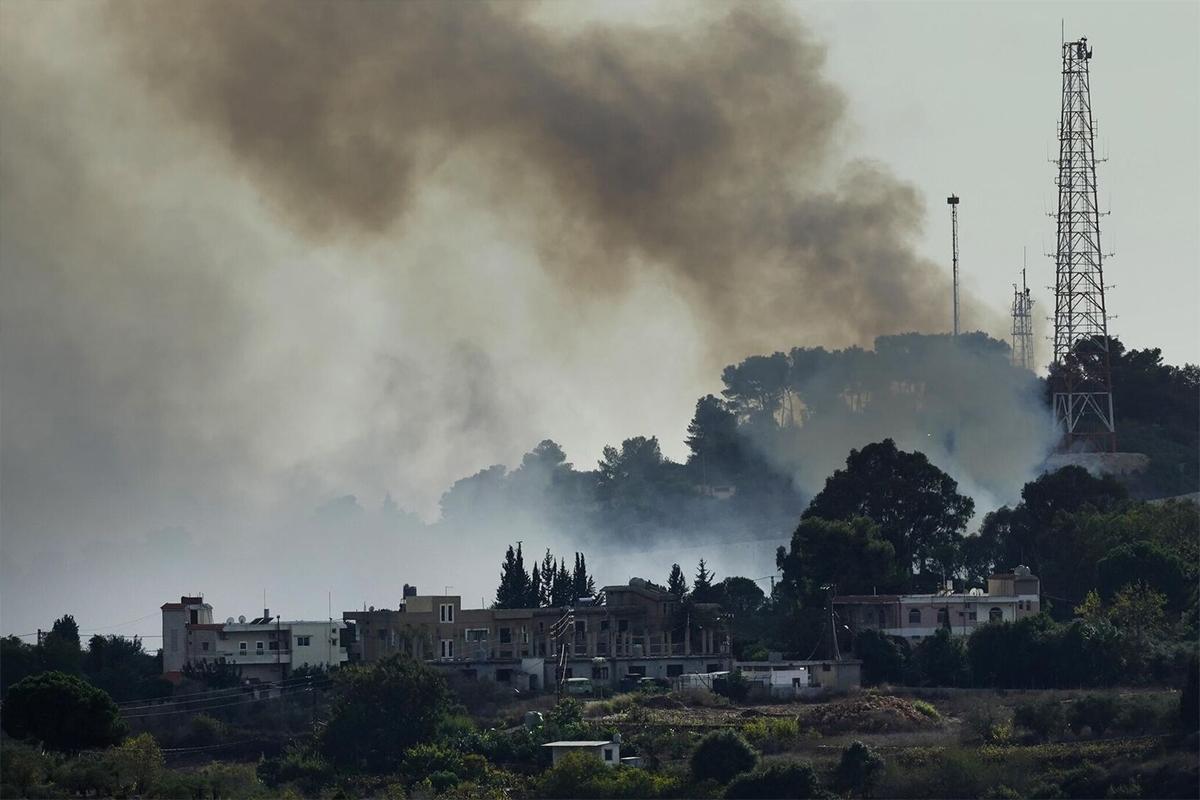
<point x="607" y="752"/>
<point x="266" y="648"/>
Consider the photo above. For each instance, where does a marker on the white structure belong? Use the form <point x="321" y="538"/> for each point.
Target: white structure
<point x="266" y="648"/>
<point x="607" y="752"/>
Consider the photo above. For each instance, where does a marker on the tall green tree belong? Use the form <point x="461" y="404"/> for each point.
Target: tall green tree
<point x="382" y="709"/>
<point x="513" y="591"/>
<point x="677" y="583"/>
<point x="62" y="711"/>
<point x="702" y="585"/>
<point x="60" y="650"/>
<point x="582" y="584"/>
<point x="917" y="507"/>
<point x="562" y="590"/>
<point x="546" y="589"/>
<point x="850" y="554"/>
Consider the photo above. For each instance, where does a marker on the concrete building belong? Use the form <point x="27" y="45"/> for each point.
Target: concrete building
<point x="781" y="678"/>
<point x="630" y="631"/>
<point x="266" y="648"/>
<point x="607" y="752"/>
<point x="1009" y="597"/>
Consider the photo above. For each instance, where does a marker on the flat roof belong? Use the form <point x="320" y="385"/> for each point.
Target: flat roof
<point x="581" y="743"/>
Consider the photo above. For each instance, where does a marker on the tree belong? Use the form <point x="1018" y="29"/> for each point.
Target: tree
<point x="546" y="590"/>
<point x="884" y="658"/>
<point x="62" y="711"/>
<point x="1138" y="610"/>
<point x="860" y="769"/>
<point x="721" y="755"/>
<point x="513" y="591"/>
<point x="917" y="506"/>
<point x="1159" y="569"/>
<point x="940" y="660"/>
<point x="19" y="659"/>
<point x="139" y="760"/>
<point x="535" y="588"/>
<point x="582" y="584"/>
<point x="677" y="582"/>
<point x="777" y="781"/>
<point x="381" y="710"/>
<point x="122" y="668"/>
<point x="848" y="553"/>
<point x="714" y="442"/>
<point x="60" y="649"/>
<point x="740" y="596"/>
<point x="562" y="590"/>
<point x="702" y="586"/>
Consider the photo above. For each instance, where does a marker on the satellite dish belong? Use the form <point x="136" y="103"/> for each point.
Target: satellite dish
<point x="372" y="608"/>
<point x="229" y="621"/>
<point x="242" y="618"/>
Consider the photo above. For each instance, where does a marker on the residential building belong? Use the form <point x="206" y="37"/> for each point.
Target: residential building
<point x="266" y="648"/>
<point x="635" y="630"/>
<point x="795" y="678"/>
<point x="607" y="752"/>
<point x="1009" y="596"/>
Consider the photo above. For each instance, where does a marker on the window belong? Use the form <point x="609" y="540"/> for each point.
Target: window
<point x="972" y="616"/>
<point x="258" y="646"/>
<point x="943" y="616"/>
<point x="581" y="626"/>
<point x="674" y="670"/>
<point x="995" y="615"/>
<point x="446" y="612"/>
<point x="503" y="675"/>
<point x="608" y="755"/>
<point x="825" y="668"/>
<point x="603" y="624"/>
<point x="477" y="634"/>
<point x="914" y="616"/>
<point x="622" y="626"/>
<point x="242" y="647"/>
<point x="712" y="667"/>
<point x="600" y="673"/>
<point x="272" y="645"/>
<point x="640" y="671"/>
<point x="303" y="641"/>
<point x="506" y="636"/>
<point x="447" y="648"/>
<point x="194" y="616"/>
<point x="204" y="646"/>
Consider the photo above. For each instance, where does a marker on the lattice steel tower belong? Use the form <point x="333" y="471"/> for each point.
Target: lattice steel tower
<point x="952" y="201"/>
<point x="1080" y="375"/>
<point x="1022" y="326"/>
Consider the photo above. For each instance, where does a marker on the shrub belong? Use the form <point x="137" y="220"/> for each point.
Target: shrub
<point x="860" y="769"/>
<point x="139" y="761"/>
<point x="299" y="766"/>
<point x="424" y="760"/>
<point x="61" y="711"/>
<point x="884" y="657"/>
<point x="772" y="734"/>
<point x="792" y="780"/>
<point x="988" y="723"/>
<point x="205" y="730"/>
<point x="582" y="775"/>
<point x="734" y="687"/>
<point x="721" y="755"/>
<point x="1045" y="719"/>
<point x="927" y="709"/>
<point x="1096" y="712"/>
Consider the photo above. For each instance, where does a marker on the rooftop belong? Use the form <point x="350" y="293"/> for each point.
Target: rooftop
<point x="579" y="743"/>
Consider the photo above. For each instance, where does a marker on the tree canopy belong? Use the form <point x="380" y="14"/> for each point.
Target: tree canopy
<point x="62" y="711"/>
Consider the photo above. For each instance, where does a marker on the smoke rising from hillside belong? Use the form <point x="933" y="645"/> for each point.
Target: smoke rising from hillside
<point x="256" y="256"/>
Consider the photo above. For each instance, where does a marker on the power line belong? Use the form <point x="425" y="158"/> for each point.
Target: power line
<point x="241" y="702"/>
<point x="178" y="698"/>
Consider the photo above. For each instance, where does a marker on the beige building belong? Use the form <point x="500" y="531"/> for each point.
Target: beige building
<point x="626" y="632"/>
<point x="1010" y="596"/>
<point x="266" y="648"/>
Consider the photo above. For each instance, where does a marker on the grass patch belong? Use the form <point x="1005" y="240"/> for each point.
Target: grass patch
<point x="927" y="709"/>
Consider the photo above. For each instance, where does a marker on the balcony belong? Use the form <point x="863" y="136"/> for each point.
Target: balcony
<point x="256" y="656"/>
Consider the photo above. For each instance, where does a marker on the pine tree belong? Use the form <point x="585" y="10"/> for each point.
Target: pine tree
<point x="514" y="580"/>
<point x="535" y="589"/>
<point x="582" y="583"/>
<point x="561" y="593"/>
<point x="677" y="583"/>
<point x="702" y="587"/>
<point x="546" y="590"/>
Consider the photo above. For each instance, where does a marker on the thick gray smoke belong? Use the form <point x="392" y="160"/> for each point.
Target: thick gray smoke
<point x="256" y="256"/>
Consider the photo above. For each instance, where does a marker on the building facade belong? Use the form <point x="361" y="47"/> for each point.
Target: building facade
<point x="630" y="631"/>
<point x="266" y="648"/>
<point x="1010" y="596"/>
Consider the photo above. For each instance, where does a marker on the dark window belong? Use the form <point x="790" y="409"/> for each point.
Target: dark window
<point x="674" y="670"/>
<point x="194" y="616"/>
<point x="995" y="615"/>
<point x="503" y="675"/>
<point x="204" y="646"/>
<point x="570" y="672"/>
<point x="825" y="668"/>
<point x="506" y="636"/>
<point x="600" y="673"/>
<point x="943" y="617"/>
<point x="273" y="645"/>
<point x="712" y="667"/>
<point x="914" y="616"/>
<point x="581" y="626"/>
<point x="639" y="670"/>
<point x="608" y="754"/>
<point x="622" y="626"/>
<point x="603" y="624"/>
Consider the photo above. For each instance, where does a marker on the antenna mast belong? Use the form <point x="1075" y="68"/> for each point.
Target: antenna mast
<point x="1081" y="375"/>
<point x="1022" y="325"/>
<point x="952" y="201"/>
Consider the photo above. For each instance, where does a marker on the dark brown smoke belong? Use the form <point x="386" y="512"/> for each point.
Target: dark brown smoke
<point x="704" y="153"/>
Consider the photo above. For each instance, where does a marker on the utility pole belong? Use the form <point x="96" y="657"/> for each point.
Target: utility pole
<point x="952" y="201"/>
<point x="1081" y="375"/>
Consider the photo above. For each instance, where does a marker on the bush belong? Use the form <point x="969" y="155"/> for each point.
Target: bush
<point x="735" y="687"/>
<point x="298" y="766"/>
<point x="1096" y="712"/>
<point x="772" y="734"/>
<point x="792" y="780"/>
<point x="61" y="711"/>
<point x="582" y="775"/>
<point x="1044" y="719"/>
<point x="721" y="755"/>
<point x="884" y="657"/>
<point x="860" y="769"/>
<point x="423" y="760"/>
<point x="927" y="709"/>
<point x="205" y="730"/>
<point x="939" y="660"/>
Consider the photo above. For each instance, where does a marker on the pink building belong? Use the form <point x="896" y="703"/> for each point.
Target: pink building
<point x="1010" y="596"/>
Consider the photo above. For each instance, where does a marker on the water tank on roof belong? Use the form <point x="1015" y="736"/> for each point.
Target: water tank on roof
<point x="242" y="619"/>
<point x="229" y="621"/>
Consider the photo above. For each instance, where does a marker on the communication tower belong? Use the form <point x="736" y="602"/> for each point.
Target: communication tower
<point x="1022" y="325"/>
<point x="952" y="201"/>
<point x="1081" y="376"/>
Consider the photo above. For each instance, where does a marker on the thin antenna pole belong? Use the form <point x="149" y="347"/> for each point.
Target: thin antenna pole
<point x="952" y="201"/>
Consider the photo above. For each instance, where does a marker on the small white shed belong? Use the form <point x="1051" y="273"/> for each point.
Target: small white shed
<point x="607" y="752"/>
